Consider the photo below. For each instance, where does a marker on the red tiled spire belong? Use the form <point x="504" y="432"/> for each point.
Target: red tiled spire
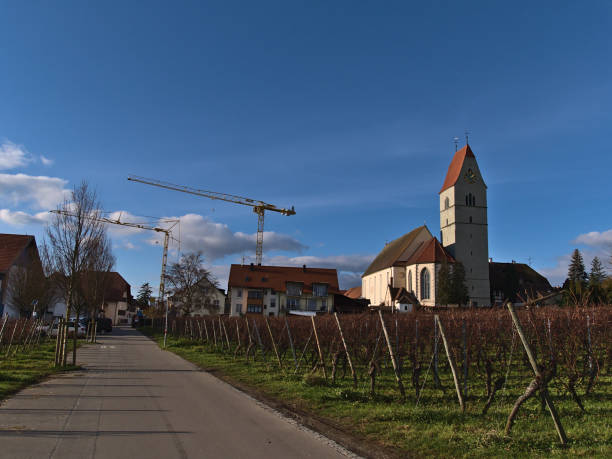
<point x="455" y="166"/>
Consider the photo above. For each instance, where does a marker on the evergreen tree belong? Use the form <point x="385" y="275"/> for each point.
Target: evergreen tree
<point x="596" y="278"/>
<point x="144" y="295"/>
<point x="576" y="273"/>
<point x="459" y="290"/>
<point x="443" y="287"/>
<point x="597" y="275"/>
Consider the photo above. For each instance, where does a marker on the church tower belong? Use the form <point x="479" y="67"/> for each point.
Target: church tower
<point x="463" y="223"/>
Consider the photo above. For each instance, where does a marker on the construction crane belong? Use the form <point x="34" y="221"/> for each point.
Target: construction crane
<point x="259" y="207"/>
<point x="167" y="235"/>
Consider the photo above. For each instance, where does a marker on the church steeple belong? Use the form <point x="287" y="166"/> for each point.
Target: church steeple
<point x="463" y="222"/>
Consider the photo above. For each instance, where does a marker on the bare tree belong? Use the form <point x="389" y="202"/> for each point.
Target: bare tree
<point x="94" y="280"/>
<point x="74" y="241"/>
<point x="191" y="283"/>
<point x="29" y="289"/>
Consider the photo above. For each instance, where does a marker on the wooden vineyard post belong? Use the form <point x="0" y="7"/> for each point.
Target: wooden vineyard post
<point x="451" y="362"/>
<point x="321" y="361"/>
<point x="348" y="356"/>
<point x="398" y="378"/>
<point x="534" y="365"/>
<point x="436" y="375"/>
<point x="280" y="365"/>
<point x="11" y="340"/>
<point x="214" y="332"/>
<point x="465" y="358"/>
<point x="303" y="352"/>
<point x="226" y="335"/>
<point x="206" y="331"/>
<point x="258" y="336"/>
<point x="291" y="342"/>
<point x="2" y="329"/>
<point x="200" y="330"/>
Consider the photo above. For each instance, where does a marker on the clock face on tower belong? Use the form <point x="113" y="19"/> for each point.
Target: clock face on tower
<point x="470" y="176"/>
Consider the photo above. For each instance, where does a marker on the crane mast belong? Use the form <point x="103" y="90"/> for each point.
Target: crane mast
<point x="259" y="207"/>
<point x="167" y="232"/>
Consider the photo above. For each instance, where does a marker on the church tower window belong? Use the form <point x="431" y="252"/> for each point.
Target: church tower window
<point x="446" y="203"/>
<point x="424" y="284"/>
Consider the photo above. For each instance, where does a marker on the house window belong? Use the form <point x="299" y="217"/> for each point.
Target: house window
<point x="312" y="304"/>
<point x="294" y="288"/>
<point x="424" y="284"/>
<point x="293" y="303"/>
<point x="238" y="307"/>
<point x="319" y="289"/>
<point x="273" y="302"/>
<point x="324" y="304"/>
<point x="470" y="219"/>
<point x="254" y="308"/>
<point x="216" y="303"/>
<point x="255" y="294"/>
<point x="238" y="293"/>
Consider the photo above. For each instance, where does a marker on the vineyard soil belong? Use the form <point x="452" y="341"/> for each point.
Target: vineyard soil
<point x="434" y="426"/>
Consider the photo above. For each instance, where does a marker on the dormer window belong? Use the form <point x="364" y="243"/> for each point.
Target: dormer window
<point x="319" y="289"/>
<point x="294" y="288"/>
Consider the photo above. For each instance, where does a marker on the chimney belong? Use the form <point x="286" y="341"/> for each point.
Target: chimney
<point x="304" y="268"/>
<point x="252" y="267"/>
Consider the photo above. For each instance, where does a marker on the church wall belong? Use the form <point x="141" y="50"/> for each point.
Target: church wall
<point x="374" y="286"/>
<point x="414" y="271"/>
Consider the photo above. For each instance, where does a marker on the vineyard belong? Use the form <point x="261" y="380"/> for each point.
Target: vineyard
<point x="19" y="335"/>
<point x="474" y="360"/>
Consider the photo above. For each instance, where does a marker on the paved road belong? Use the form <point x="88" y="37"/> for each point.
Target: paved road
<point x="134" y="400"/>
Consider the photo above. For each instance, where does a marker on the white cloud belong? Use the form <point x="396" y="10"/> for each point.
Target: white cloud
<point x="217" y="240"/>
<point x="19" y="218"/>
<point x="46" y="161"/>
<point x="40" y="191"/>
<point x="595" y="238"/>
<point x="13" y="155"/>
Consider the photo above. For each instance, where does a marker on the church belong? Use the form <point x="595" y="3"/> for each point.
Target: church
<point x="405" y="272"/>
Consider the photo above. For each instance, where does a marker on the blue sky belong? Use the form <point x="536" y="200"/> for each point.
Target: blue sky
<point x="345" y="110"/>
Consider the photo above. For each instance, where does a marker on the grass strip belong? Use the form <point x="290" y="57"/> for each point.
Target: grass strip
<point x="27" y="368"/>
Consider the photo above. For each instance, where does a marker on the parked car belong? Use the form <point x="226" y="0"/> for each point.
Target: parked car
<point x="52" y="330"/>
<point x="104" y="325"/>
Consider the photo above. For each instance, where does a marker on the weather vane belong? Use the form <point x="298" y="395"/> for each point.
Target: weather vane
<point x="456" y="140"/>
<point x="467" y="135"/>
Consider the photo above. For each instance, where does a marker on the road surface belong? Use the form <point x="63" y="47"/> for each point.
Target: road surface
<point x="134" y="400"/>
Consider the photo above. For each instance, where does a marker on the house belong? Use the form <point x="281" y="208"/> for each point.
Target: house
<point x="118" y="300"/>
<point x="207" y="299"/>
<point x="516" y="282"/>
<point x="117" y="304"/>
<point x="17" y="253"/>
<point x="353" y="293"/>
<point x="277" y="290"/>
